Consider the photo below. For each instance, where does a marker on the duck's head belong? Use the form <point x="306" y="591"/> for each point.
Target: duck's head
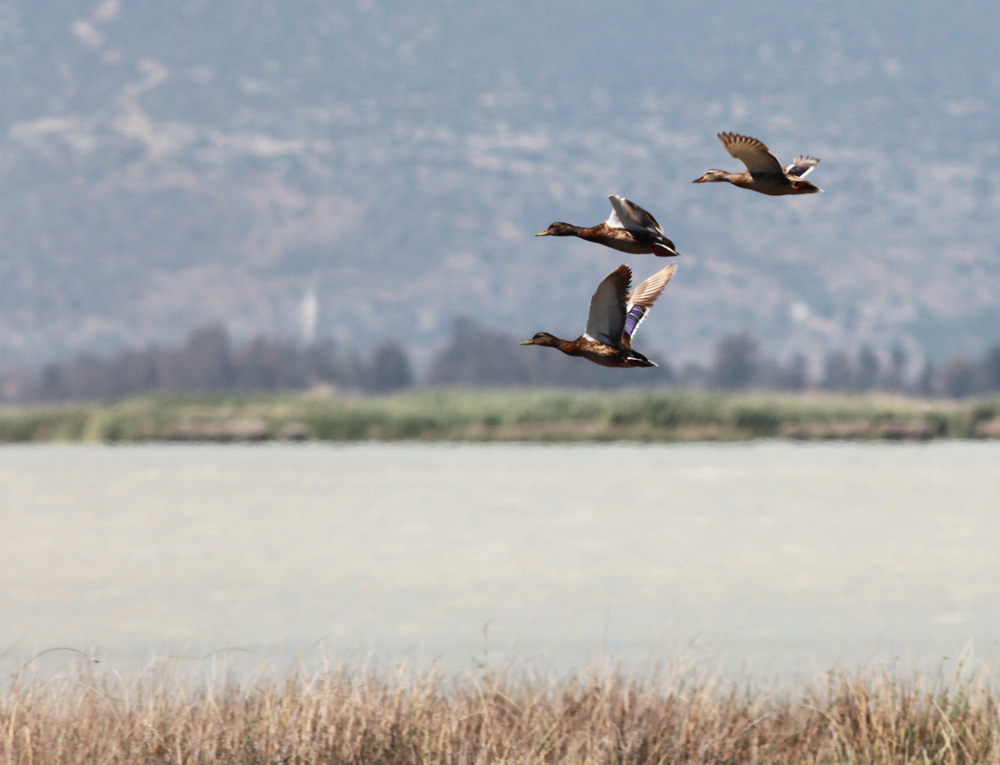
<point x="712" y="176"/>
<point x="559" y="229"/>
<point x="543" y="338"/>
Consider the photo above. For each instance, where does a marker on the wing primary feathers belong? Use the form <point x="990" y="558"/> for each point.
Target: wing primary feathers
<point x="607" y="307"/>
<point x="751" y="152"/>
<point x="642" y="299"/>
<point x="801" y="166"/>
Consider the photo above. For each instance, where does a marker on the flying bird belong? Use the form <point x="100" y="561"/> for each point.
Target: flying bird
<point x="615" y="314"/>
<point x="629" y="229"/>
<point x="764" y="173"/>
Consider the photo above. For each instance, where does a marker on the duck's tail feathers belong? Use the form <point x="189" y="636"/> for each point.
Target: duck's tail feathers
<point x="638" y="360"/>
<point x="665" y="249"/>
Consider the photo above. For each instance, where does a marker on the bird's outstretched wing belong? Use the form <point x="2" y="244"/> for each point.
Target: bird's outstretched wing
<point x="606" y="321"/>
<point x="641" y="300"/>
<point x="801" y="166"/>
<point x="752" y="153"/>
<point x="628" y="215"/>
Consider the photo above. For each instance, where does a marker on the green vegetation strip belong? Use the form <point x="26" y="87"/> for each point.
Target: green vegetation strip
<point x="505" y="416"/>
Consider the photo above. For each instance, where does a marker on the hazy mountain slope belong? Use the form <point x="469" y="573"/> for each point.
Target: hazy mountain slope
<point x="169" y="164"/>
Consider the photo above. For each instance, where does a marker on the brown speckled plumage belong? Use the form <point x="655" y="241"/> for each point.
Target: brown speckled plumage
<point x="764" y="173"/>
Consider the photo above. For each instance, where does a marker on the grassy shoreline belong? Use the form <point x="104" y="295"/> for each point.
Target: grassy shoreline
<point x="672" y="416"/>
<point x="353" y="716"/>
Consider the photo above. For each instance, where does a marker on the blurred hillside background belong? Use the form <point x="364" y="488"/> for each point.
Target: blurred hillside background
<point x="371" y="174"/>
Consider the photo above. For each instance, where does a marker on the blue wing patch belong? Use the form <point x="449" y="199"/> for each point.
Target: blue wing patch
<point x="633" y="319"/>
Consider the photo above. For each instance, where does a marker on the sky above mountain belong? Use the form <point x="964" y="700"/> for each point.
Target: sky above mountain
<point x="382" y="168"/>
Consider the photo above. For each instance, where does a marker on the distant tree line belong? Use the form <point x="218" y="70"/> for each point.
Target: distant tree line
<point x="738" y="364"/>
<point x="208" y="362"/>
<point x="479" y="357"/>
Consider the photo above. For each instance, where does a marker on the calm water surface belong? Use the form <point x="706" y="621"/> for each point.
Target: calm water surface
<point x="774" y="557"/>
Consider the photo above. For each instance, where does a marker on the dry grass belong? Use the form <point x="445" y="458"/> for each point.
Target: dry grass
<point x="356" y="716"/>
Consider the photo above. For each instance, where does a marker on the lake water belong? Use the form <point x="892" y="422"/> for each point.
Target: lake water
<point x="771" y="557"/>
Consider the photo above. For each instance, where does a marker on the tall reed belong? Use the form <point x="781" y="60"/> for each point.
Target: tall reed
<point x="347" y="715"/>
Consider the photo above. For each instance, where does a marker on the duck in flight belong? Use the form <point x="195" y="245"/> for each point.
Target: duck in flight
<point x="629" y="229"/>
<point x="764" y="173"/>
<point x="615" y="314"/>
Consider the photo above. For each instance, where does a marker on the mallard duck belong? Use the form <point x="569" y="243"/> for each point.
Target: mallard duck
<point x="615" y="314"/>
<point x="629" y="229"/>
<point x="764" y="173"/>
